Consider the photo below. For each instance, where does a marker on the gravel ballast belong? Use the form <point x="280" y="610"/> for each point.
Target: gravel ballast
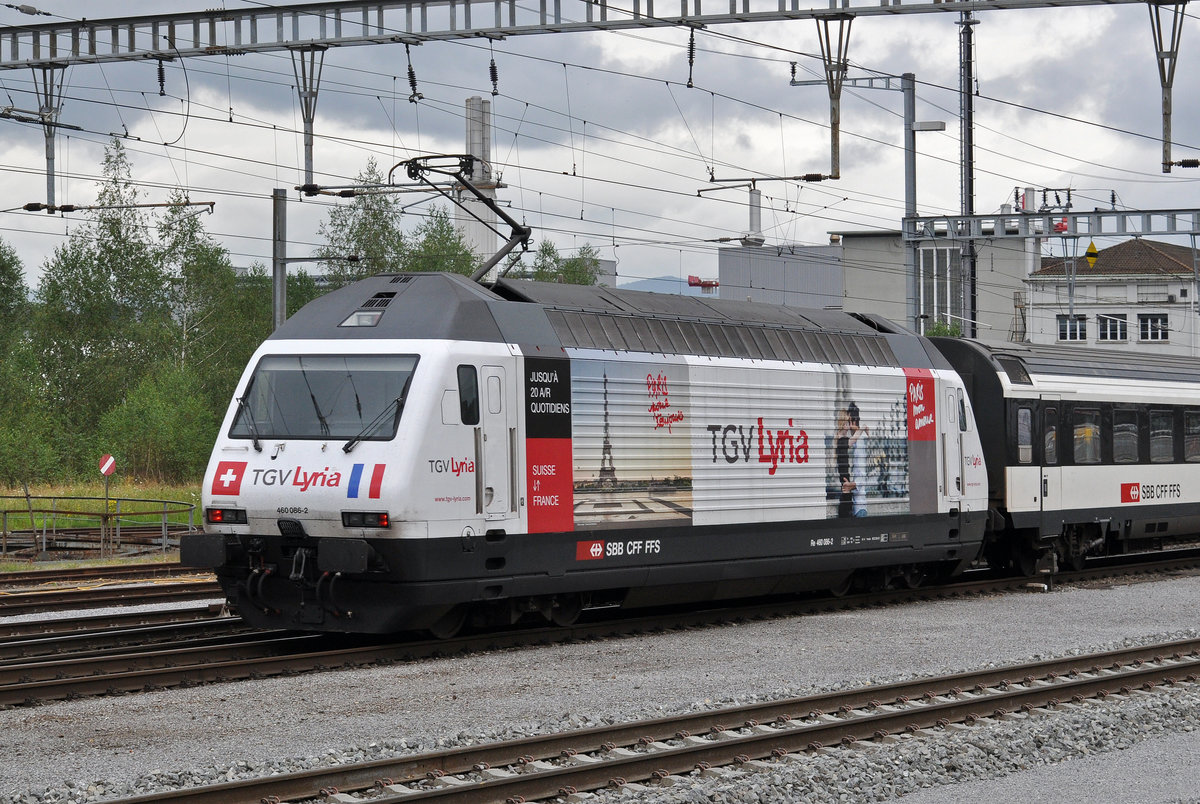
<point x="108" y="747"/>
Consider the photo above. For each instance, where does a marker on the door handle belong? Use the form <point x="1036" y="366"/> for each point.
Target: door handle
<point x="1045" y="487"/>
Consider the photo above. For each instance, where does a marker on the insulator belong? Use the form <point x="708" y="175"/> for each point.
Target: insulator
<point x="412" y="79"/>
<point x="495" y="74"/>
<point x="793" y="71"/>
<point x="691" y="55"/>
<point x="162" y="79"/>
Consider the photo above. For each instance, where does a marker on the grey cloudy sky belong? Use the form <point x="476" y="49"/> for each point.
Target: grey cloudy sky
<point x="600" y="141"/>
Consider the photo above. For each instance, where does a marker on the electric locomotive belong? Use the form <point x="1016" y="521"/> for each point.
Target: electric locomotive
<point x="414" y="450"/>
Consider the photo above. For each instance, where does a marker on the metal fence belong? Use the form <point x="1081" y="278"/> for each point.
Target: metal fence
<point x="92" y="524"/>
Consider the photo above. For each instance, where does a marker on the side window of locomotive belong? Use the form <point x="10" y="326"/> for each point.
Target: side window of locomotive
<point x="1191" y="436"/>
<point x="1050" y="429"/>
<point x="1162" y="436"/>
<point x="1024" y="435"/>
<point x="962" y="411"/>
<point x="468" y="394"/>
<point x="1086" y="424"/>
<point x="1125" y="435"/>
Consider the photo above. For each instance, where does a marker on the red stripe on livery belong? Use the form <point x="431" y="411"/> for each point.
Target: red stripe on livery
<point x="376" y="480"/>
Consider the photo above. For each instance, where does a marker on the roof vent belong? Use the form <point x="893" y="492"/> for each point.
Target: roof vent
<point x="379" y="300"/>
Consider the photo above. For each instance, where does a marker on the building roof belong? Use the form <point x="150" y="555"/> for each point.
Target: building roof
<point x="1134" y="257"/>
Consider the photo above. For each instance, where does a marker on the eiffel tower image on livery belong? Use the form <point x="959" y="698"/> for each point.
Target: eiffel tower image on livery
<point x="608" y="473"/>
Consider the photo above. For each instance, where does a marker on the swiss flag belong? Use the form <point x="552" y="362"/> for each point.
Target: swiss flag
<point x="227" y="480"/>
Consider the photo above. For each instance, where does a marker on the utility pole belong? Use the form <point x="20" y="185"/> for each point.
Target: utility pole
<point x="967" y="129"/>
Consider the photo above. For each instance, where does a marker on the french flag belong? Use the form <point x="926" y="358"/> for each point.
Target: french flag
<point x="356" y="477"/>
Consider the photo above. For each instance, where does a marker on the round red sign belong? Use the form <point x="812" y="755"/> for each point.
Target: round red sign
<point x="107" y="464"/>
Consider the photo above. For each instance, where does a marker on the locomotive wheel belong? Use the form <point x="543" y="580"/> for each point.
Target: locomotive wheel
<point x="450" y="623"/>
<point x="843" y="587"/>
<point x="913" y="576"/>
<point x="566" y="610"/>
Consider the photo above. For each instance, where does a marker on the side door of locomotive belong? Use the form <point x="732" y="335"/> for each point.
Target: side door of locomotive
<point x="952" y="447"/>
<point x="498" y="437"/>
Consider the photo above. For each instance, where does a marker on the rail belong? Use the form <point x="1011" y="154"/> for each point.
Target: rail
<point x="91" y="523"/>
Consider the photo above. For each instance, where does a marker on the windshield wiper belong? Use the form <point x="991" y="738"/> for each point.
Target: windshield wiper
<point x="397" y="403"/>
<point x="244" y="407"/>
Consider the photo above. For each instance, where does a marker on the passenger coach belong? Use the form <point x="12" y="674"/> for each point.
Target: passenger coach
<point x="1088" y="452"/>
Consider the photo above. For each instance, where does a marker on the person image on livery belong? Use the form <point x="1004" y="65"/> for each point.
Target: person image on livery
<point x="841" y="451"/>
<point x="855" y="484"/>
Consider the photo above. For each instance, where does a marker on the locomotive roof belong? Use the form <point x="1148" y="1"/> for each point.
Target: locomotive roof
<point x="550" y="315"/>
<point x="1068" y="361"/>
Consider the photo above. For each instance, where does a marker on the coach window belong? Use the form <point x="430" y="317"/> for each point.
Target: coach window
<point x="468" y="394"/>
<point x="1024" y="435"/>
<point x="1050" y="429"/>
<point x="1162" y="436"/>
<point x="1191" y="436"/>
<point x="1086" y="425"/>
<point x="1125" y="435"/>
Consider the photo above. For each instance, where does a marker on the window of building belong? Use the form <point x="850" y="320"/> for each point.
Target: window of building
<point x="1087" y="435"/>
<point x="940" y="283"/>
<point x="1125" y="435"/>
<point x="1072" y="328"/>
<point x="1162" y="436"/>
<point x="1152" y="293"/>
<point x="1153" y="327"/>
<point x="1112" y="327"/>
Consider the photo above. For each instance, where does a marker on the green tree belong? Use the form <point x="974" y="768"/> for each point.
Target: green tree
<point x="104" y="310"/>
<point x="550" y="266"/>
<point x="160" y="431"/>
<point x="368" y="228"/>
<point x="437" y="245"/>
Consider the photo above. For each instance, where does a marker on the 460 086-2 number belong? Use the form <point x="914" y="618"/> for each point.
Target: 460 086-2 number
<point x="291" y="510"/>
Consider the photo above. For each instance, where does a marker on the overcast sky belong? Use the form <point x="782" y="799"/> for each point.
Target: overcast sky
<point x="600" y="141"/>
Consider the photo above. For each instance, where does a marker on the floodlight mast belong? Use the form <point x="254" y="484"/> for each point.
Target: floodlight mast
<point x="459" y="168"/>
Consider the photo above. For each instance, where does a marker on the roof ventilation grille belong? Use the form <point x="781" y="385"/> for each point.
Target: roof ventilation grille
<point x="379" y="300"/>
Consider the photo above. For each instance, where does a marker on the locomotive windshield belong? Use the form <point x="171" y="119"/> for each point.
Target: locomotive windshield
<point x="324" y="396"/>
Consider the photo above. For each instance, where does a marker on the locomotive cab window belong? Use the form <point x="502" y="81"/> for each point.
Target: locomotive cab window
<point x="358" y="397"/>
<point x="1086" y="426"/>
<point x="468" y="394"/>
<point x="1125" y="435"/>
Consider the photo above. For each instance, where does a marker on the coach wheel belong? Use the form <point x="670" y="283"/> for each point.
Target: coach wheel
<point x="566" y="610"/>
<point x="450" y="623"/>
<point x="1025" y="561"/>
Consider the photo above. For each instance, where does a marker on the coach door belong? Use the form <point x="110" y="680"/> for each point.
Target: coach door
<point x="497" y="447"/>
<point x="1051" y="414"/>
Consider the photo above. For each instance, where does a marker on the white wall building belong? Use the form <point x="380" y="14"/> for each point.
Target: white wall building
<point x="1140" y="293"/>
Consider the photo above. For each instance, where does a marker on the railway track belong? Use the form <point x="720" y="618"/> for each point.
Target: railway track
<point x="23" y="601"/>
<point x="122" y="660"/>
<point x="758" y="736"/>
<point x="161" y="569"/>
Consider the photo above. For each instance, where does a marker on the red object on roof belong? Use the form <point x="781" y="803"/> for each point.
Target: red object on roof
<point x="1061" y="226"/>
<point x="697" y="282"/>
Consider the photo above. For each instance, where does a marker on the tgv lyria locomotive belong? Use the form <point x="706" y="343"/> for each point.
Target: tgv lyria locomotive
<point x="414" y="450"/>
